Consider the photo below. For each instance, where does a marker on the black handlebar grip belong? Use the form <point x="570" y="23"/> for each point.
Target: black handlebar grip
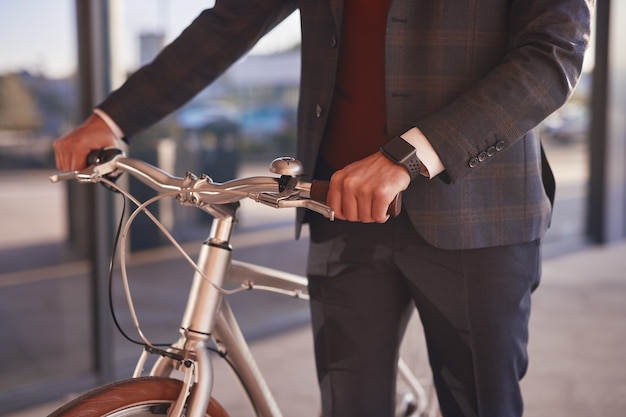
<point x="319" y="192"/>
<point x="100" y="156"/>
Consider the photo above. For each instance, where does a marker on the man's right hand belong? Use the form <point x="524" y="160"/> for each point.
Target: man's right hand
<point x="71" y="150"/>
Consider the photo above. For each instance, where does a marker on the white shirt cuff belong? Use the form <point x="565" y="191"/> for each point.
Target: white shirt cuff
<point x="115" y="129"/>
<point x="425" y="152"/>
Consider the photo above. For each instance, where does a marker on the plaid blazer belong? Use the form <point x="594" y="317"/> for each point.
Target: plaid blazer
<point x="476" y="77"/>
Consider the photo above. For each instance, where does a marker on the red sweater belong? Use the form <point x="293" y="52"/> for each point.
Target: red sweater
<point x="356" y="124"/>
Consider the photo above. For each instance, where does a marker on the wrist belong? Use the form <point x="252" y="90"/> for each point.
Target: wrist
<point x="113" y="128"/>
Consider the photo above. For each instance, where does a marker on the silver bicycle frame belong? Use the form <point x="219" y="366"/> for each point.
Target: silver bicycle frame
<point x="208" y="315"/>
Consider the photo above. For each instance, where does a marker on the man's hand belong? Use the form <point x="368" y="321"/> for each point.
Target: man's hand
<point x="71" y="150"/>
<point x="363" y="190"/>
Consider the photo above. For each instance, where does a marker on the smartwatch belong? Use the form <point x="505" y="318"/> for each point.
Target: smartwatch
<point x="401" y="152"/>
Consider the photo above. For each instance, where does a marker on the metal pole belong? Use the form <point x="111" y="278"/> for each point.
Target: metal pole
<point x="606" y="221"/>
<point x="96" y="218"/>
<point x="597" y="145"/>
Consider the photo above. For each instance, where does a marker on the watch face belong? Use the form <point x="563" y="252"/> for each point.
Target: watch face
<point x="399" y="149"/>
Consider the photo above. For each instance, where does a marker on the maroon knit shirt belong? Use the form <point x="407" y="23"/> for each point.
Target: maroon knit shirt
<point x="356" y="124"/>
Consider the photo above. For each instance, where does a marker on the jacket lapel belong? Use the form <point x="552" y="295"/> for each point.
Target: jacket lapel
<point x="336" y="7"/>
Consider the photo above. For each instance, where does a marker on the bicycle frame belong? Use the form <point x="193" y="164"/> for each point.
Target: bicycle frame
<point x="208" y="316"/>
<point x="209" y="308"/>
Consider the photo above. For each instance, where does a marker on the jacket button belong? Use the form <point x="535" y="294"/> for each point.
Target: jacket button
<point x="482" y="156"/>
<point x="473" y="163"/>
<point x="333" y="42"/>
<point x="491" y="151"/>
<point x="500" y="145"/>
<point x="318" y="111"/>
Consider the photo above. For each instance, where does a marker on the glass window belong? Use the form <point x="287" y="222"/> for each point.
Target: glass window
<point x="37" y="104"/>
<point x="235" y="127"/>
<point x="44" y="302"/>
<point x="566" y="138"/>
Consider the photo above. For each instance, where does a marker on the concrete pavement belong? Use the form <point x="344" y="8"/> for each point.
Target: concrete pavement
<point x="577" y="346"/>
<point x="578" y="336"/>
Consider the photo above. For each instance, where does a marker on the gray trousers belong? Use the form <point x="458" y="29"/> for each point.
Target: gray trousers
<point x="364" y="280"/>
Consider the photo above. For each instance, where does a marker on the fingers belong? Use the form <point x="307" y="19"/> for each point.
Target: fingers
<point x="356" y="204"/>
<point x="59" y="159"/>
<point x="67" y="152"/>
<point x="67" y="155"/>
<point x="364" y="190"/>
<point x="71" y="150"/>
<point x="364" y="207"/>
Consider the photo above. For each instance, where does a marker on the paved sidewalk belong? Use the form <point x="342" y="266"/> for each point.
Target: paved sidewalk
<point x="577" y="346"/>
<point x="578" y="337"/>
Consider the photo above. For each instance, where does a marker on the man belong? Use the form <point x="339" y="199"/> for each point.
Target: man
<point x="450" y="91"/>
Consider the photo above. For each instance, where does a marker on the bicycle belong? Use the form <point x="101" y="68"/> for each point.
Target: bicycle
<point x="180" y="381"/>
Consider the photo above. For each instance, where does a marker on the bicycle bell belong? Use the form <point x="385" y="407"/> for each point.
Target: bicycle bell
<point x="286" y="165"/>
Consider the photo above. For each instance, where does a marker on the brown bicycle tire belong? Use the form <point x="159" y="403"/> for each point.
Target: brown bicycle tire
<point x="122" y="396"/>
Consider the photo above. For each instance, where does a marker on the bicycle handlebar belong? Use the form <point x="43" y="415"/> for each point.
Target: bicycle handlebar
<point x="288" y="190"/>
<point x="278" y="192"/>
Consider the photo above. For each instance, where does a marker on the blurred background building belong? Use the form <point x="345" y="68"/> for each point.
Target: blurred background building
<point x="58" y="59"/>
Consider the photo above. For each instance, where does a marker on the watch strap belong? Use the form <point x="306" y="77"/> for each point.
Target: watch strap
<point x="414" y="166"/>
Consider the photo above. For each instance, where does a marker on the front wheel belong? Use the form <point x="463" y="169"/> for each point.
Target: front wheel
<point x="137" y="397"/>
